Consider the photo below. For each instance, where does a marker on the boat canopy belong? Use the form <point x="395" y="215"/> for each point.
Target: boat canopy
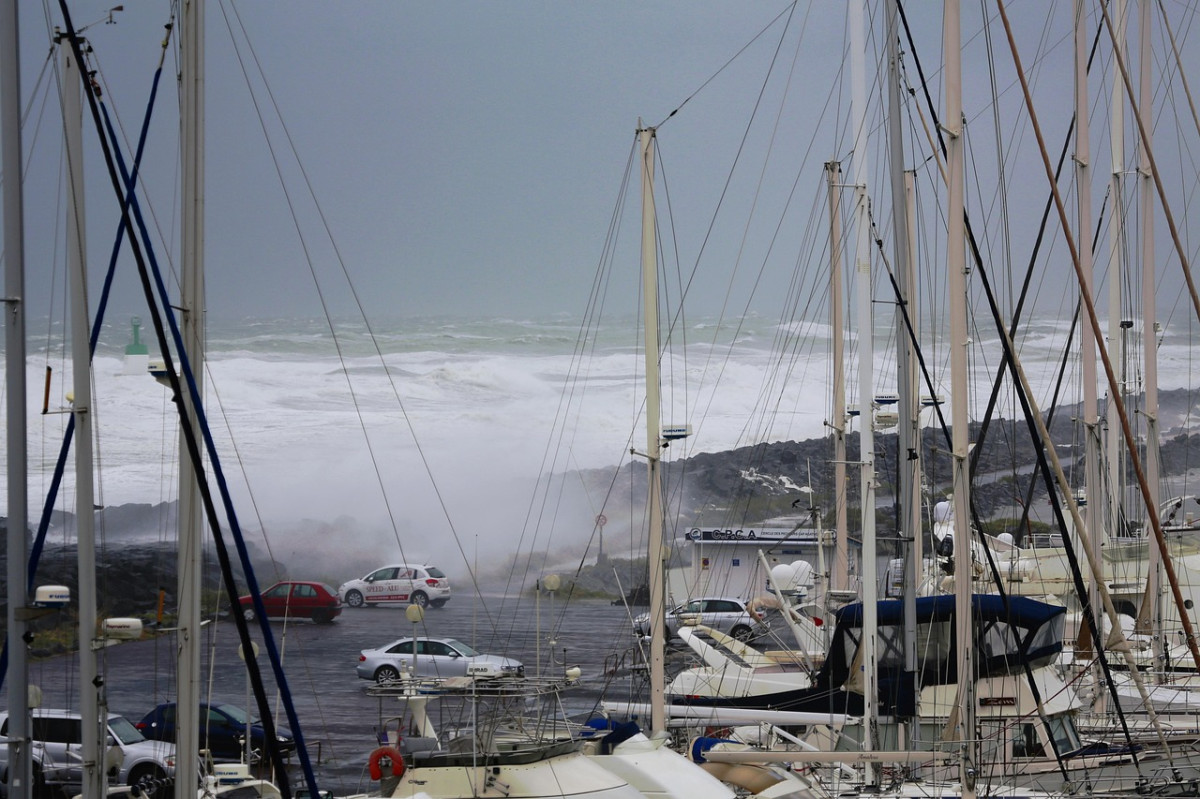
<point x="1010" y="632"/>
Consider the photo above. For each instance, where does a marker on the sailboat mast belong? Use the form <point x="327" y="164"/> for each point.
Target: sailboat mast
<point x="657" y="575"/>
<point x="956" y="287"/>
<point x="908" y="446"/>
<point x="840" y="577"/>
<point x="1113" y="473"/>
<point x="190" y="563"/>
<point x="85" y="528"/>
<point x="1150" y="460"/>
<point x="866" y="391"/>
<point x="1091" y="414"/>
<point x="20" y="762"/>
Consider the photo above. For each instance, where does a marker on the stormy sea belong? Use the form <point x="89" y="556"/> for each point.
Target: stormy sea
<point x="472" y="443"/>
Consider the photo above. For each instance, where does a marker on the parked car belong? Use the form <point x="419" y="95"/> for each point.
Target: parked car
<point x="436" y="657"/>
<point x="724" y="614"/>
<point x="297" y="599"/>
<point x="57" y="737"/>
<point x="417" y="585"/>
<point x="222" y="731"/>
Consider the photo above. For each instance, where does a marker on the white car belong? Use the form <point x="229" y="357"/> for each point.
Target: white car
<point x="417" y="585"/>
<point x="729" y="615"/>
<point x="58" y="737"/>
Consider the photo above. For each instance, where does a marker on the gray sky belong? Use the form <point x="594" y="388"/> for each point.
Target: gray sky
<point x="467" y="156"/>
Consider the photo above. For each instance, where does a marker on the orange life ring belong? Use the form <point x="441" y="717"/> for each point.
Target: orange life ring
<point x="391" y="753"/>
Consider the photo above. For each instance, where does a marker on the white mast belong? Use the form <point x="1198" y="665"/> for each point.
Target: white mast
<point x="866" y="390"/>
<point x="191" y="526"/>
<point x="1153" y="599"/>
<point x="840" y="578"/>
<point x="908" y="434"/>
<point x="956" y="287"/>
<point x="93" y="782"/>
<point x="658" y="720"/>
<point x="1113" y="497"/>
<point x="20" y="764"/>
<point x="1091" y="415"/>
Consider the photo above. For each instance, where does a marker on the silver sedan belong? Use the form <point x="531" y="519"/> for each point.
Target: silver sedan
<point x="435" y="657"/>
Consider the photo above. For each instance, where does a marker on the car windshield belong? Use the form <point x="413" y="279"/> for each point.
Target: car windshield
<point x="124" y="731"/>
<point x="463" y="649"/>
<point x="234" y="712"/>
<point x="434" y="571"/>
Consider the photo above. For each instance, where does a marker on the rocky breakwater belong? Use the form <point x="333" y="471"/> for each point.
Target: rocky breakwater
<point x="135" y="574"/>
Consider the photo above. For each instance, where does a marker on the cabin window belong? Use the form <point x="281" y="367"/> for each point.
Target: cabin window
<point x="1066" y="737"/>
<point x="1046" y="642"/>
<point x="1025" y="741"/>
<point x="935" y="641"/>
<point x="998" y="641"/>
<point x="890" y="650"/>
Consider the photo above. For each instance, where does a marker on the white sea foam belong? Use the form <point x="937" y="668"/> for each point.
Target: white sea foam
<point x="466" y="416"/>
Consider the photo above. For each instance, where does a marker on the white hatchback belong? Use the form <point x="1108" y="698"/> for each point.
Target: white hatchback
<point x="402" y="582"/>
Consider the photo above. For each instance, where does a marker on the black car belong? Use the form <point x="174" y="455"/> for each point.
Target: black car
<point x="222" y="731"/>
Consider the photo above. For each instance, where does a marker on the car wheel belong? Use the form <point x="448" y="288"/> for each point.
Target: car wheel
<point x="322" y="617"/>
<point x="248" y="614"/>
<point x="438" y="603"/>
<point x="385" y="674"/>
<point x="354" y="599"/>
<point x="742" y="633"/>
<point x="151" y="780"/>
<point x="419" y="598"/>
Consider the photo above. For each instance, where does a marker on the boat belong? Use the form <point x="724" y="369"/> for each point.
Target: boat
<point x="460" y="736"/>
<point x="487" y="740"/>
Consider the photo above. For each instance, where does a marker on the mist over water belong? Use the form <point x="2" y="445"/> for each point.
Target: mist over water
<point x="439" y="427"/>
<point x="427" y="441"/>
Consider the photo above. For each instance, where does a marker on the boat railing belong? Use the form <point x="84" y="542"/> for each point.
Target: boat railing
<point x="470" y="686"/>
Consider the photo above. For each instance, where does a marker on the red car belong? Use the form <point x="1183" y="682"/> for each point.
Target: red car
<point x="296" y="599"/>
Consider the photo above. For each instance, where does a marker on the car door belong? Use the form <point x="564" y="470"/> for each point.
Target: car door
<point x="224" y="734"/>
<point x="401" y="656"/>
<point x="276" y="599"/>
<point x="445" y="661"/>
<point x="405" y="583"/>
<point x="383" y="585"/>
<point x="721" y="614"/>
<point x="304" y="599"/>
<point x="60" y="740"/>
